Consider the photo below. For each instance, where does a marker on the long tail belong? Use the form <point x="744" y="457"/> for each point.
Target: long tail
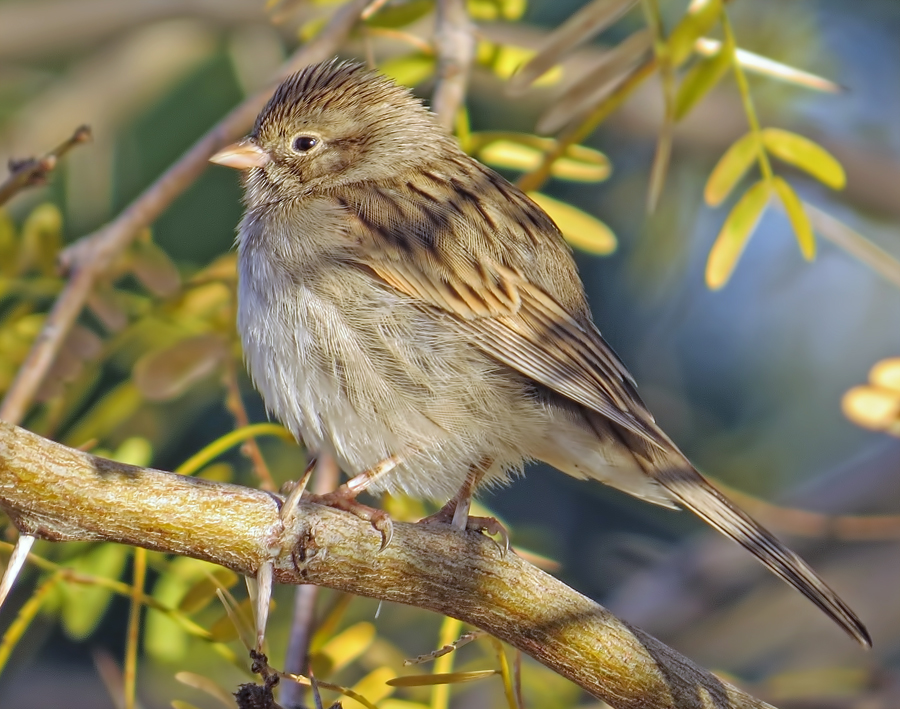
<point x="688" y="487"/>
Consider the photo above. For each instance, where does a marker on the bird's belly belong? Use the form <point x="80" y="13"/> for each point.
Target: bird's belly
<point x="378" y="378"/>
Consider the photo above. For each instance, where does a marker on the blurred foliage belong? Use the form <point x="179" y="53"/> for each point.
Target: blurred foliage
<point x="152" y="373"/>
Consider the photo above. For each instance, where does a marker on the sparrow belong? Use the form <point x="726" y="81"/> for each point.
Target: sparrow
<point x="408" y="311"/>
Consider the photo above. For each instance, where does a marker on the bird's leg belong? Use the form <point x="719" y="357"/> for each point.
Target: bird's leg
<point x="344" y="498"/>
<point x="456" y="511"/>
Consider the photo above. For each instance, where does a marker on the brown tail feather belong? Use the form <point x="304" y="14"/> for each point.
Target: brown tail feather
<point x="691" y="489"/>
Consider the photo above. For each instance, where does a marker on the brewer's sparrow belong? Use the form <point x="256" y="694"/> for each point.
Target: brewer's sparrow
<point x="412" y="313"/>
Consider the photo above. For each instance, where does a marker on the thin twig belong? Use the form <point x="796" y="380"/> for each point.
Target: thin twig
<point x="454" y="41"/>
<point x="34" y="171"/>
<point x="88" y="258"/>
<point x="235" y="404"/>
<point x="854" y="243"/>
<point x="296" y="659"/>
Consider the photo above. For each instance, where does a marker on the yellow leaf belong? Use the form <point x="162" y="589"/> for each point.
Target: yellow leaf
<point x="483" y="10"/>
<point x="805" y="154"/>
<point x="400" y="704"/>
<point x="700" y="80"/>
<point x="518" y="151"/>
<point x="799" y="219"/>
<point x="736" y="231"/>
<point x="873" y="407"/>
<point x="134" y="451"/>
<point x="512" y="9"/>
<point x="374" y="687"/>
<point x="732" y="166"/>
<point x="218" y="472"/>
<point x="580" y="229"/>
<point x="886" y="374"/>
<point x="309" y="30"/>
<point x="506" y="59"/>
<point x="344" y="648"/>
<point x="698" y="20"/>
<point x="410" y="70"/>
<point x="444" y="678"/>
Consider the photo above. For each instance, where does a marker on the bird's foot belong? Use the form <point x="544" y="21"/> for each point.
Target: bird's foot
<point x="344" y="498"/>
<point x="450" y="514"/>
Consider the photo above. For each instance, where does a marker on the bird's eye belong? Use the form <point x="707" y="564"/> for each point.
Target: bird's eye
<point x="304" y="143"/>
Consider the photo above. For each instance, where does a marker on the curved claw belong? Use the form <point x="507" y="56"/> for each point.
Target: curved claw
<point x="343" y="499"/>
<point x="493" y="528"/>
<point x="385" y="525"/>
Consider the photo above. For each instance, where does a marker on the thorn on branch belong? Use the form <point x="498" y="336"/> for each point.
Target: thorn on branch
<point x="31" y="172"/>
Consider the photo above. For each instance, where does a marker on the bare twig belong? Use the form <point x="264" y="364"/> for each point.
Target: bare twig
<point x="235" y="404"/>
<point x="90" y="257"/>
<point x="454" y="41"/>
<point x="816" y="525"/>
<point x="296" y="659"/>
<point x="854" y="243"/>
<point x="34" y="171"/>
<point x="58" y="493"/>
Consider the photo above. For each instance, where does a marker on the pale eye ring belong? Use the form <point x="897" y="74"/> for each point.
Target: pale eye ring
<point x="304" y="143"/>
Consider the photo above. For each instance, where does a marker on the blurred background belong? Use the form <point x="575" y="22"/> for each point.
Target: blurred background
<point x="749" y="380"/>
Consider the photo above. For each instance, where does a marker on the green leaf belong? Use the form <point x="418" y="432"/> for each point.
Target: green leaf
<point x="580" y="229"/>
<point x="394" y="16"/>
<point x="9" y="247"/>
<point x="83" y="603"/>
<point x="167" y="373"/>
<point x="410" y="70"/>
<point x="805" y="154"/>
<point x="732" y="166"/>
<point x="41" y="240"/>
<point x="441" y="678"/>
<point x="203" y="591"/>
<point x="700" y="80"/>
<point x="224" y="629"/>
<point x="154" y="269"/>
<point x="798" y="217"/>
<point x="205" y="684"/>
<point x="164" y="638"/>
<point x="736" y="231"/>
<point x="697" y="22"/>
<point x="116" y="407"/>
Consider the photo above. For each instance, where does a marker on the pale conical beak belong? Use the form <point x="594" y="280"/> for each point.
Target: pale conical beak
<point x="242" y="155"/>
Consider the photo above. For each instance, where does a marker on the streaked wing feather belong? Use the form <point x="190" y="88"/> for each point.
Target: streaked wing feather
<point x="493" y="305"/>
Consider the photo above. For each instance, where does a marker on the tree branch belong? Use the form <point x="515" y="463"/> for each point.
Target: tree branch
<point x="30" y="172"/>
<point x="59" y="493"/>
<point x="91" y="256"/>
<point x="454" y="42"/>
